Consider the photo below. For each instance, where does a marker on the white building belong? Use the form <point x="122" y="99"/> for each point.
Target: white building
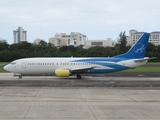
<point x="36" y="41"/>
<point x="134" y="36"/>
<point x="19" y="35"/>
<point x="155" y="38"/>
<point x="63" y="39"/>
<point x="105" y="43"/>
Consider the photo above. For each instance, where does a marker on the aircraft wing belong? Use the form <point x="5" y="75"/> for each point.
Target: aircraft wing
<point x="81" y="70"/>
<point x="144" y="59"/>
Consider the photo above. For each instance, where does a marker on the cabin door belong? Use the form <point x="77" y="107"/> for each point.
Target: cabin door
<point x="24" y="64"/>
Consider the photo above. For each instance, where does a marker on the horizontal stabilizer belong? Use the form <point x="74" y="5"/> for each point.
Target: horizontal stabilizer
<point x="145" y="59"/>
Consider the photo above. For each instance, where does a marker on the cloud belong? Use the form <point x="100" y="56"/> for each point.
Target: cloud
<point x="54" y="12"/>
<point x="85" y="15"/>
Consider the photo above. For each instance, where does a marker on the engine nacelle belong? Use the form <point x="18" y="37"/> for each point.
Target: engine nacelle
<point x="62" y="73"/>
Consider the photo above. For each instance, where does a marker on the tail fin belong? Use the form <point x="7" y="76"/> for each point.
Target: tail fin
<point x="138" y="50"/>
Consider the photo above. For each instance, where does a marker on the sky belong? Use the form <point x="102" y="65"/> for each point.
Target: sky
<point x="98" y="19"/>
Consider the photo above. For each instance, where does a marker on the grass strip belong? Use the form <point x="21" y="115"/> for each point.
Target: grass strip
<point x="144" y="69"/>
<point x="2" y="70"/>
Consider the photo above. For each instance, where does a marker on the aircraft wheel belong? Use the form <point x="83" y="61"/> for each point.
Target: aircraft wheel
<point x="20" y="77"/>
<point x="78" y="76"/>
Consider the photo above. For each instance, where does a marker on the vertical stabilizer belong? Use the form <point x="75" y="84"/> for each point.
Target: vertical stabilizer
<point x="138" y="50"/>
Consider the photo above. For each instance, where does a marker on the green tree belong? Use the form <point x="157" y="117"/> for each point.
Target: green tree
<point x="3" y="46"/>
<point x="43" y="43"/>
<point x="122" y="42"/>
<point x="52" y="50"/>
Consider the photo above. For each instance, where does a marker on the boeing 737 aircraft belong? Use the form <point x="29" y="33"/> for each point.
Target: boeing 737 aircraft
<point x="65" y="67"/>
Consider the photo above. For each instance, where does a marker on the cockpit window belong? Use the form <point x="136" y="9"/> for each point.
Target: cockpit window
<point x="13" y="63"/>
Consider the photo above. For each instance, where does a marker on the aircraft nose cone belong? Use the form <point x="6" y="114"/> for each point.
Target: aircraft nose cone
<point x="6" y="67"/>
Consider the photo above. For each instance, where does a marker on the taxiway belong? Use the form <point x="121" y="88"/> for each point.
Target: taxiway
<point x="92" y="98"/>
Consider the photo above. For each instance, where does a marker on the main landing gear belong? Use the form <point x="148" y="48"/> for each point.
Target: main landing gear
<point x="78" y="76"/>
<point x="20" y="77"/>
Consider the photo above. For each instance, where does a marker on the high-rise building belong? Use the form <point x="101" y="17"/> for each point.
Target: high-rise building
<point x="19" y="35"/>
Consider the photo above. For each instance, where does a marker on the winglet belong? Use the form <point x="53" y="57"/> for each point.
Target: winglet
<point x="138" y="50"/>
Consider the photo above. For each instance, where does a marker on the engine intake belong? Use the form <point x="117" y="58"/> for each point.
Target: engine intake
<point x="62" y="73"/>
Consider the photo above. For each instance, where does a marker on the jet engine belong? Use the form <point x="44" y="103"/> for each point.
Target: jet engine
<point x="62" y="73"/>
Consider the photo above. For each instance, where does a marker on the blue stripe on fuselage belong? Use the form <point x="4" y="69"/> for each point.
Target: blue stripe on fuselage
<point x="107" y="62"/>
<point x="112" y="59"/>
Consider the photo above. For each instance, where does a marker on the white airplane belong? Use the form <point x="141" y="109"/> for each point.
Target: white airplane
<point x="65" y="67"/>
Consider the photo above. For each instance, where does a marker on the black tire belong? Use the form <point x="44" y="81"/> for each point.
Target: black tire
<point x="20" y="77"/>
<point x="78" y="76"/>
